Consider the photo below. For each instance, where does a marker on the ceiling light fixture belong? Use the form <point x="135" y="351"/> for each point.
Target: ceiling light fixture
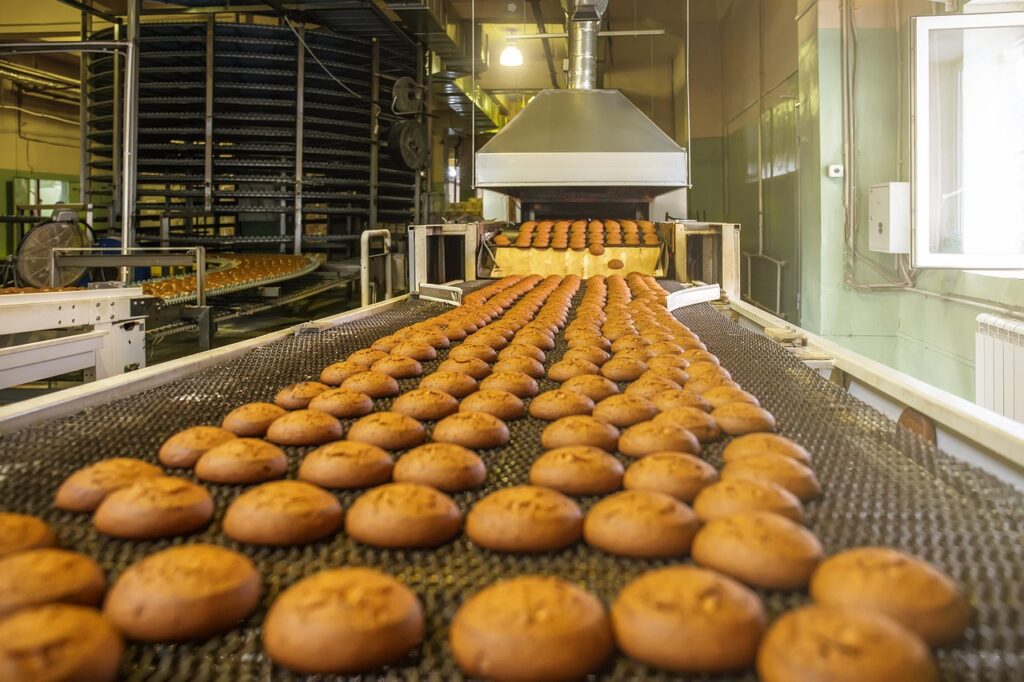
<point x="511" y="55"/>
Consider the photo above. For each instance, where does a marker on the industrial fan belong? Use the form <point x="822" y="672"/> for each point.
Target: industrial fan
<point x="33" y="263"/>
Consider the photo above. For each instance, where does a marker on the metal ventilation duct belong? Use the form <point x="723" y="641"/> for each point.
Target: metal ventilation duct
<point x="584" y="24"/>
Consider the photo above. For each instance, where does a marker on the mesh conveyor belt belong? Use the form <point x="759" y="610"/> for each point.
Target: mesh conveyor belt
<point x="882" y="484"/>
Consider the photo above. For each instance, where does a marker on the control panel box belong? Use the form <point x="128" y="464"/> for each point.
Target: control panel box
<point x="889" y="218"/>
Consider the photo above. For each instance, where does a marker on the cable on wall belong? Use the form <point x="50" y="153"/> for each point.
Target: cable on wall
<point x="39" y="114"/>
<point x="317" y="60"/>
<point x="851" y="254"/>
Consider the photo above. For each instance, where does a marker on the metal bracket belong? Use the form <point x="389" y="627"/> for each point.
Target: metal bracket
<point x="364" y="264"/>
<point x="692" y="295"/>
<point x="144" y="306"/>
<point x="313" y="327"/>
<point x="101" y="257"/>
<point x="441" y="293"/>
<point x="201" y="315"/>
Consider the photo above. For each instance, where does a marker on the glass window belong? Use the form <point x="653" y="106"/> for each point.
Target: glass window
<point x="34" y="191"/>
<point x="53" y="192"/>
<point x="969" y="141"/>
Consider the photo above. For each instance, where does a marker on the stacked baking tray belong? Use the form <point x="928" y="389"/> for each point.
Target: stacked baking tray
<point x="255" y="90"/>
<point x="882" y="486"/>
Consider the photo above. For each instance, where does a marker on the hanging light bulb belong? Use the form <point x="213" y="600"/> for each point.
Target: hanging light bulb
<point x="511" y="55"/>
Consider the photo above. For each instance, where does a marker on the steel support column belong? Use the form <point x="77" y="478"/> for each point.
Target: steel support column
<point x="418" y="190"/>
<point x="84" y="195"/>
<point x="374" y="129"/>
<point x="300" y="88"/>
<point x="116" y="134"/>
<point x="428" y="112"/>
<point x="211" y="27"/>
<point x="131" y="137"/>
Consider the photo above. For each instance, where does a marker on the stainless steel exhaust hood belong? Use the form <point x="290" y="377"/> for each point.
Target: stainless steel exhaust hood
<point x="581" y="145"/>
<point x="587" y="142"/>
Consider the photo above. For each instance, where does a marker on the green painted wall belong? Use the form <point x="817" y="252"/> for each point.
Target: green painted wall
<point x="845" y="315"/>
<point x="809" y="157"/>
<point x="779" y="180"/>
<point x="804" y="217"/>
<point x="8" y="201"/>
<point x="707" y="197"/>
<point x="761" y="157"/>
<point x="918" y="333"/>
<point x="776" y="176"/>
<point x="741" y="176"/>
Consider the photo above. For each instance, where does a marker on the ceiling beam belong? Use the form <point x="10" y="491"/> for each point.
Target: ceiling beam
<point x="538" y="16"/>
<point x="91" y="10"/>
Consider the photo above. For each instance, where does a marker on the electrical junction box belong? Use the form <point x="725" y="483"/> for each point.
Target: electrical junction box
<point x="889" y="218"/>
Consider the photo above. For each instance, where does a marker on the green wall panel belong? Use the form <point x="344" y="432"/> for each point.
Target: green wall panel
<point x="741" y="176"/>
<point x="779" y="177"/>
<point x="809" y="179"/>
<point x="707" y="196"/>
<point x="916" y="332"/>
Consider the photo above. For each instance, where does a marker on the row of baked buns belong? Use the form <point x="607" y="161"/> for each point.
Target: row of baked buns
<point x="578" y="235"/>
<point x="639" y="397"/>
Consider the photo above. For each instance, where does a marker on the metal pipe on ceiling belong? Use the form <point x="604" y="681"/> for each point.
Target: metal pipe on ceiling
<point x="626" y="33"/>
<point x="37" y="78"/>
<point x="130" y="131"/>
<point x="41" y="47"/>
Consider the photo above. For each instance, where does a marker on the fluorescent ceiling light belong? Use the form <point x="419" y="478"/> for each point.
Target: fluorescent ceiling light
<point x="511" y="56"/>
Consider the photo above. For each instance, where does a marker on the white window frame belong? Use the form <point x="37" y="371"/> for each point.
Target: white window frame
<point x="921" y="255"/>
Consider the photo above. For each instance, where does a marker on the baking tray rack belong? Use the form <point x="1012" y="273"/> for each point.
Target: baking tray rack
<point x="254" y="124"/>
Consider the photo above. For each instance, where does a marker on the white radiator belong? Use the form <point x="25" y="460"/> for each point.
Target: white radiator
<point x="999" y="365"/>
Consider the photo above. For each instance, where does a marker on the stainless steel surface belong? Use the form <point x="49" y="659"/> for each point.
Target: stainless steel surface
<point x="132" y="256"/>
<point x="423" y="250"/>
<point x="130" y="145"/>
<point x="720" y="245"/>
<point x="300" y="65"/>
<point x="632" y="33"/>
<point x="442" y="293"/>
<point x="83" y="123"/>
<point x="583" y="140"/>
<point x="364" y="264"/>
<point x="72" y="400"/>
<point x="116" y="109"/>
<point x="584" y="26"/>
<point x="374" y="129"/>
<point x="97" y="331"/>
<point x="583" y="54"/>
